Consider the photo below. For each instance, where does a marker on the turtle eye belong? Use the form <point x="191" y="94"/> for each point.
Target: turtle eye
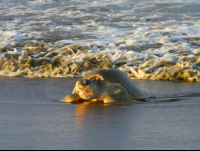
<point x="86" y="82"/>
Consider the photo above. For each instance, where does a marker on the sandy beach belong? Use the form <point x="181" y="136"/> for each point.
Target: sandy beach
<point x="33" y="118"/>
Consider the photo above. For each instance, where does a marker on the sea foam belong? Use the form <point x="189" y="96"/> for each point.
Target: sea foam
<point x="147" y="40"/>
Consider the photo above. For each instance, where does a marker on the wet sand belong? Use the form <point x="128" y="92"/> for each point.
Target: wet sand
<point x="33" y="118"/>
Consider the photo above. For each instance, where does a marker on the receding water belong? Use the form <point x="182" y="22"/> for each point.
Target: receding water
<point x="33" y="118"/>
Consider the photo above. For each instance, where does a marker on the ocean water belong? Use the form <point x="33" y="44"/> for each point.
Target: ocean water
<point x="147" y="39"/>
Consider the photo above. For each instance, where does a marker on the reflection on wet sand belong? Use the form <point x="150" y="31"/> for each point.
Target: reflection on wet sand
<point x="86" y="110"/>
<point x="94" y="122"/>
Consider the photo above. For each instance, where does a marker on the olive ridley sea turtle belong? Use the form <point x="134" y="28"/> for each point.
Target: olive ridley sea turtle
<point x="107" y="85"/>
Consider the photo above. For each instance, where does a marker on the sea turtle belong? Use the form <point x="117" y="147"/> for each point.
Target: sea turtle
<point x="107" y="85"/>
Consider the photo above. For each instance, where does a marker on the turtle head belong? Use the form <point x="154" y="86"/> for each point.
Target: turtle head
<point x="88" y="89"/>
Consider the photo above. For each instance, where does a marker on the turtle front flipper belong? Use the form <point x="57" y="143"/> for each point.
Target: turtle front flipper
<point x="115" y="99"/>
<point x="116" y="94"/>
<point x="74" y="97"/>
<point x="71" y="98"/>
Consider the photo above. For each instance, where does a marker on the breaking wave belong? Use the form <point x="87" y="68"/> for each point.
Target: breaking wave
<point x="147" y="40"/>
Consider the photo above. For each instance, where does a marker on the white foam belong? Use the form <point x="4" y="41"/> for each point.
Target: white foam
<point x="42" y="2"/>
<point x="16" y="35"/>
<point x="132" y="32"/>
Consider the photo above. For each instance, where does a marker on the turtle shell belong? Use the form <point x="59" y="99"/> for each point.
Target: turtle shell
<point x="117" y="77"/>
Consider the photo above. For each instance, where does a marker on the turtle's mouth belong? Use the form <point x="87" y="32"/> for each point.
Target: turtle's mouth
<point x="85" y="96"/>
<point x="84" y="92"/>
